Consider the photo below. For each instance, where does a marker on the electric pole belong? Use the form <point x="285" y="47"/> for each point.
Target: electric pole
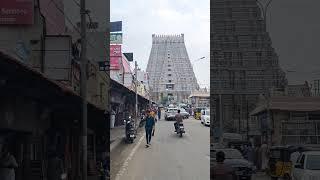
<point x="83" y="89"/>
<point x="136" y="88"/>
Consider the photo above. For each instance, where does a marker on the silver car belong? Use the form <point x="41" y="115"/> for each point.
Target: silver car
<point x="170" y="113"/>
<point x="184" y="113"/>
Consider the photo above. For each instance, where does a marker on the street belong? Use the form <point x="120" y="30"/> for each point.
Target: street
<point x="169" y="157"/>
<point x="260" y="176"/>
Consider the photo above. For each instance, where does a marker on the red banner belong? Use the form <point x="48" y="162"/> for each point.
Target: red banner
<point x="115" y="63"/>
<point x="16" y="12"/>
<point x="115" y="51"/>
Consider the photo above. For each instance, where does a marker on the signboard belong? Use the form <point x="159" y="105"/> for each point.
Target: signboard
<point x="16" y="12"/>
<point x="115" y="38"/>
<point x="116" y="26"/>
<point x="129" y="56"/>
<point x="115" y="51"/>
<point x="58" y="60"/>
<point x="115" y="63"/>
<point x="104" y="66"/>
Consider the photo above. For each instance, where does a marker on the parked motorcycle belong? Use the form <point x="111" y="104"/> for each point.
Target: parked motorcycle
<point x="130" y="130"/>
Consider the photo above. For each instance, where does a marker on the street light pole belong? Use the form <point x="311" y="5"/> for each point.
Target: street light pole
<point x="197" y="60"/>
<point x="136" y="89"/>
<point x="83" y="89"/>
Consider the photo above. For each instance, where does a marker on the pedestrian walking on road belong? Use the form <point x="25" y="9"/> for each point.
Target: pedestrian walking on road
<point x="159" y="114"/>
<point x="250" y="152"/>
<point x="150" y="121"/>
<point x="264" y="156"/>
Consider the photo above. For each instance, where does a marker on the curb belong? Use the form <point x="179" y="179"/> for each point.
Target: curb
<point x="118" y="141"/>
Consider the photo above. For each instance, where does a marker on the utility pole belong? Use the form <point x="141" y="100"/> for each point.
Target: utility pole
<point x="247" y="115"/>
<point x="83" y="89"/>
<point x="220" y="118"/>
<point x="136" y="88"/>
<point x="122" y="71"/>
<point x="220" y="108"/>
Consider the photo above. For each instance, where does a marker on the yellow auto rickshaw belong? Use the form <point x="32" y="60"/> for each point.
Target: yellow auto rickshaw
<point x="279" y="163"/>
<point x="197" y="112"/>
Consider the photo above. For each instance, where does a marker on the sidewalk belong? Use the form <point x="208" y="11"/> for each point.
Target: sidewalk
<point x="117" y="135"/>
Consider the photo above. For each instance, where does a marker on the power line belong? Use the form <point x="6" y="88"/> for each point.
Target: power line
<point x="69" y="20"/>
<point x="77" y="3"/>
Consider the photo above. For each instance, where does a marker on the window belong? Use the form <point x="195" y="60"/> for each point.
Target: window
<point x="169" y="69"/>
<point x="169" y="86"/>
<point x="169" y="74"/>
<point x="169" y="81"/>
<point x="240" y="55"/>
<point x="169" y="65"/>
<point x="227" y="55"/>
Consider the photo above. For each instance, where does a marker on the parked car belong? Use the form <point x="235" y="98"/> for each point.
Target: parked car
<point x="243" y="168"/>
<point x="205" y="117"/>
<point x="307" y="166"/>
<point x="184" y="113"/>
<point x="170" y="113"/>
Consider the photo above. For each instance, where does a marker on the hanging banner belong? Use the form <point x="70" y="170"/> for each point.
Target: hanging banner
<point x="115" y="63"/>
<point x="115" y="38"/>
<point x="116" y="26"/>
<point x="115" y="51"/>
<point x="17" y="12"/>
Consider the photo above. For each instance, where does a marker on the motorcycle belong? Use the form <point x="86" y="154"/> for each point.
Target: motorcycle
<point x="180" y="129"/>
<point x="130" y="130"/>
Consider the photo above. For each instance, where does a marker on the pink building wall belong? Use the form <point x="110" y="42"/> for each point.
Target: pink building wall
<point x="55" y="20"/>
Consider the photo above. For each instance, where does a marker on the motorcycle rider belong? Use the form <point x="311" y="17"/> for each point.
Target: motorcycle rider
<point x="179" y="119"/>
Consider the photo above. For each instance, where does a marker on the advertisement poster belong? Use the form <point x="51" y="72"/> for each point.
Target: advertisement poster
<point x="115" y="63"/>
<point x="115" y="51"/>
<point x="16" y="12"/>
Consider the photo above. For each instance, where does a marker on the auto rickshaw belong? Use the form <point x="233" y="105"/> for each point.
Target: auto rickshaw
<point x="279" y="163"/>
<point x="197" y="113"/>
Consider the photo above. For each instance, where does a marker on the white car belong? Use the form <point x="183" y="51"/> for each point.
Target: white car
<point x="307" y="166"/>
<point x="205" y="117"/>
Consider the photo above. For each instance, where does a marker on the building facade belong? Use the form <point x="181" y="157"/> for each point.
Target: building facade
<point x="169" y="68"/>
<point x="200" y="99"/>
<point x="287" y="120"/>
<point x="243" y="64"/>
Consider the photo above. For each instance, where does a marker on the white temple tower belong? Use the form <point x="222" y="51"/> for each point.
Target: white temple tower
<point x="170" y="71"/>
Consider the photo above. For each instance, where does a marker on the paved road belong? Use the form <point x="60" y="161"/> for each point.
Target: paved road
<point x="169" y="157"/>
<point x="260" y="176"/>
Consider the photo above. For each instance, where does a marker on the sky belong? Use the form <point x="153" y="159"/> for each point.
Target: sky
<point x="294" y="28"/>
<point x="142" y="18"/>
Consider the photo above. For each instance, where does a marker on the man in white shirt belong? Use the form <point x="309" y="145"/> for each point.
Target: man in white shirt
<point x="295" y="155"/>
